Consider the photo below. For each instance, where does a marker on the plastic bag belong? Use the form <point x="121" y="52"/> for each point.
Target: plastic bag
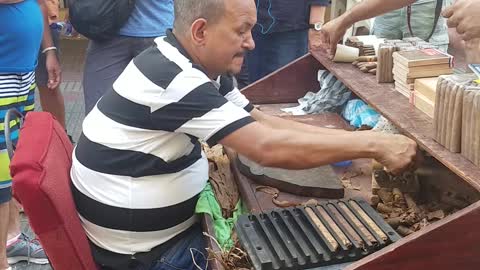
<point x="358" y="113"/>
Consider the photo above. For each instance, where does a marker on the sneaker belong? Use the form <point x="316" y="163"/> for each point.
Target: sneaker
<point x="28" y="250"/>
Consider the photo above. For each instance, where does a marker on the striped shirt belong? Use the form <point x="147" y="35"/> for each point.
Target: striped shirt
<point x="138" y="167"/>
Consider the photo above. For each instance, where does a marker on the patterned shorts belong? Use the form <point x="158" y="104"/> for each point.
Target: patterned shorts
<point x="17" y="90"/>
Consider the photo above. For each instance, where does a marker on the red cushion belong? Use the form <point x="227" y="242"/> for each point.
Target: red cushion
<point x="41" y="181"/>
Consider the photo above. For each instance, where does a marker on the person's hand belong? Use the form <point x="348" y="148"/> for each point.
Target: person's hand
<point x="463" y="15"/>
<point x="315" y="40"/>
<point x="330" y="35"/>
<point x="53" y="70"/>
<point x="397" y="153"/>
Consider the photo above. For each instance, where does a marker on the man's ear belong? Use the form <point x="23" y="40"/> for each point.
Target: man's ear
<point x="198" y="31"/>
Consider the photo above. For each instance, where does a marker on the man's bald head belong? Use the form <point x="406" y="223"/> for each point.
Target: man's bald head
<point x="187" y="11"/>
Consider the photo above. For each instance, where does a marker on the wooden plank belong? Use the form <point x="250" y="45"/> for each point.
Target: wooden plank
<point x="208" y="227"/>
<point x="273" y="109"/>
<point x="287" y="84"/>
<point x="246" y="191"/>
<point x="452" y="243"/>
<point x="411" y="121"/>
<point x="315" y="182"/>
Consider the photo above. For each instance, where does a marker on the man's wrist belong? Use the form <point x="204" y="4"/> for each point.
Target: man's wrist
<point x="52" y="53"/>
<point x="374" y="143"/>
<point x="317" y="26"/>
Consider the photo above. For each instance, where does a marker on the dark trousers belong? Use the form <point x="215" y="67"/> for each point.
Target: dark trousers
<point x="275" y="50"/>
<point x="105" y="61"/>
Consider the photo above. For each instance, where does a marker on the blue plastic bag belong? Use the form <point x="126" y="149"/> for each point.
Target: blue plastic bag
<point x="358" y="113"/>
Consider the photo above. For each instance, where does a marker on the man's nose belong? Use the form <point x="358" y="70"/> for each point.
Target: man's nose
<point x="249" y="43"/>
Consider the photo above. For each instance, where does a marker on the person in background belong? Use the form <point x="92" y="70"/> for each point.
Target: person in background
<point x="51" y="99"/>
<point x="394" y="25"/>
<point x="19" y="46"/>
<point x="106" y="60"/>
<point x="284" y="32"/>
<point x="462" y="15"/>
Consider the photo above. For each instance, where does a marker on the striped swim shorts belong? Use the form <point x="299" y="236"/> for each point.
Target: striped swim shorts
<point x="17" y="90"/>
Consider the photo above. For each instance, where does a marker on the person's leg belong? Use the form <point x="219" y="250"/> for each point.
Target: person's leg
<point x="14" y="221"/>
<point x="140" y="44"/>
<point x="5" y="178"/>
<point x="51" y="100"/>
<point x="242" y="78"/>
<point x="4" y="218"/>
<point x="185" y="253"/>
<point x="283" y="48"/>
<point x="18" y="246"/>
<point x="104" y="62"/>
<point x="255" y="58"/>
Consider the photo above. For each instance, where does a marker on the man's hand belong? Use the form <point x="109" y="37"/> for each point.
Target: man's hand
<point x="315" y="40"/>
<point x="397" y="153"/>
<point x="53" y="69"/>
<point x="463" y="15"/>
<point x="330" y="35"/>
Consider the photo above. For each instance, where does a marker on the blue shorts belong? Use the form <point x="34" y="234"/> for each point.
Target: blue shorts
<point x="17" y="90"/>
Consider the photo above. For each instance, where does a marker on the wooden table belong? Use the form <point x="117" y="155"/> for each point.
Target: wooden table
<point x="452" y="243"/>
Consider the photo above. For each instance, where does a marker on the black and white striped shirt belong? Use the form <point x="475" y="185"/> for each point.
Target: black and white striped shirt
<point x="138" y="167"/>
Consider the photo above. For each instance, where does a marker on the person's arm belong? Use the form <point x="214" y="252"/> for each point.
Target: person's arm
<point x="294" y="149"/>
<point x="463" y="15"/>
<point x="317" y="14"/>
<point x="334" y="30"/>
<point x="52" y="65"/>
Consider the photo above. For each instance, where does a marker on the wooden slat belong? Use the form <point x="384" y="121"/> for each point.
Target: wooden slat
<point x="208" y="227"/>
<point x="284" y="85"/>
<point x="396" y="108"/>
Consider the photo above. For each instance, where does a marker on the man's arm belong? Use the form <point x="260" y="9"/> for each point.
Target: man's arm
<point x="317" y="14"/>
<point x="294" y="149"/>
<point x="53" y="67"/>
<point x="334" y="30"/>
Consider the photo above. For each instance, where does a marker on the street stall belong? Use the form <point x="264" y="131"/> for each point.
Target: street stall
<point x="429" y="221"/>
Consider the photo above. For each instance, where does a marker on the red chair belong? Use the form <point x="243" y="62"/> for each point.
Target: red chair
<point x="40" y="170"/>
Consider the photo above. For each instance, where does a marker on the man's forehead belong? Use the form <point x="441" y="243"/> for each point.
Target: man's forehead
<point x="243" y="10"/>
<point x="240" y="7"/>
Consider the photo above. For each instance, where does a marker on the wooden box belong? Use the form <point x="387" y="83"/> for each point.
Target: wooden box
<point x="451" y="243"/>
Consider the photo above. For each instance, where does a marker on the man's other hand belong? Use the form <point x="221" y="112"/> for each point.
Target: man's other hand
<point x="463" y="15"/>
<point x="331" y="33"/>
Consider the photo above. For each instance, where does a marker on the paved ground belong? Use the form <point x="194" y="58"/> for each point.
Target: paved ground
<point x="72" y="57"/>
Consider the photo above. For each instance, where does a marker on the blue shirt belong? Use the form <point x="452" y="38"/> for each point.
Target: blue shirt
<point x="21" y="33"/>
<point x="150" y="18"/>
<point x="284" y="15"/>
